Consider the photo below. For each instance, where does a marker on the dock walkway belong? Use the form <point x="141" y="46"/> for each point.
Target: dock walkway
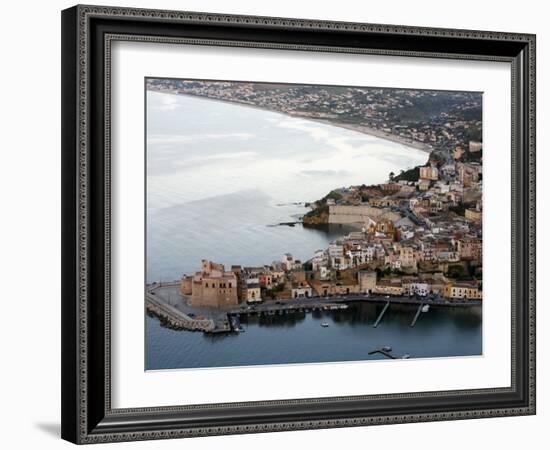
<point x="176" y="318"/>
<point x="386" y="306"/>
<point x="417" y="315"/>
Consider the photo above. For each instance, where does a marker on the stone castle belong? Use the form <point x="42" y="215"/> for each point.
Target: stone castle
<point x="212" y="286"/>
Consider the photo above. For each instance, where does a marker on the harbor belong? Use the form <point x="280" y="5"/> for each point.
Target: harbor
<point x="295" y="336"/>
<point x="165" y="301"/>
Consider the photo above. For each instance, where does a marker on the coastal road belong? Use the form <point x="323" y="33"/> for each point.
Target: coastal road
<point x="170" y="294"/>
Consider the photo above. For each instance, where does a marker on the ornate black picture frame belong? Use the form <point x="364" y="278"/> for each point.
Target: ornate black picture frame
<point x="87" y="34"/>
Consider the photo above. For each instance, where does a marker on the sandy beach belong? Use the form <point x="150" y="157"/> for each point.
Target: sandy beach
<point x="358" y="128"/>
<point x="374" y="132"/>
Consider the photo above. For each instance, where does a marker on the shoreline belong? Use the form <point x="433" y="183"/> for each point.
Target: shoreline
<point x="426" y="148"/>
<point x="182" y="316"/>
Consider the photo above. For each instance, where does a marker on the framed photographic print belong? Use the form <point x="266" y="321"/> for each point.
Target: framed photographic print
<point x="281" y="224"/>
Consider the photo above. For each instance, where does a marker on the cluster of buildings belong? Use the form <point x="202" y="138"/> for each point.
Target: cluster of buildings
<point x="215" y="287"/>
<point x="384" y="259"/>
<point x="420" y="233"/>
<point x="421" y="238"/>
<point x="338" y="273"/>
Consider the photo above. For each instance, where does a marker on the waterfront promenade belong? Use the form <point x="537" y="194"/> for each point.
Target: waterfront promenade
<point x="200" y="318"/>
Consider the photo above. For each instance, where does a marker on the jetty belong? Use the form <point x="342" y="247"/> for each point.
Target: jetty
<point x="386" y="306"/>
<point x="417" y="315"/>
<point x="387" y="352"/>
<point x="176" y="319"/>
<point x="384" y="352"/>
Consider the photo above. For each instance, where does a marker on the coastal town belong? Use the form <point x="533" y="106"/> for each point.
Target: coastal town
<point x="419" y="238"/>
<point x="416" y="237"/>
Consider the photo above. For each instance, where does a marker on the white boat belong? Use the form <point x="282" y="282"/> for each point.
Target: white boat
<point x="324" y="324"/>
<point x="425" y="308"/>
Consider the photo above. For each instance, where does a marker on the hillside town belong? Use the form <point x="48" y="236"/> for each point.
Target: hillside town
<point x="419" y="234"/>
<point x="414" y="238"/>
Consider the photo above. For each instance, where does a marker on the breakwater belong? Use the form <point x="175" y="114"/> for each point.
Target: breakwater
<point x="176" y="319"/>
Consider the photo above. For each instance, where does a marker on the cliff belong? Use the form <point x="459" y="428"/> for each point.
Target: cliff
<point x="316" y="217"/>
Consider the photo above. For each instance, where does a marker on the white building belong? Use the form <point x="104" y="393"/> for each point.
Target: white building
<point x="250" y="280"/>
<point x="407" y="233"/>
<point x="443" y="187"/>
<point x="288" y="261"/>
<point x="360" y="255"/>
<point x="419" y="288"/>
<point x="301" y="291"/>
<point x="319" y="260"/>
<point x="324" y="273"/>
<point x="336" y="256"/>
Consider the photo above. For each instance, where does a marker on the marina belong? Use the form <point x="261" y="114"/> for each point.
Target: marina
<point x="165" y="301"/>
<point x="299" y="337"/>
